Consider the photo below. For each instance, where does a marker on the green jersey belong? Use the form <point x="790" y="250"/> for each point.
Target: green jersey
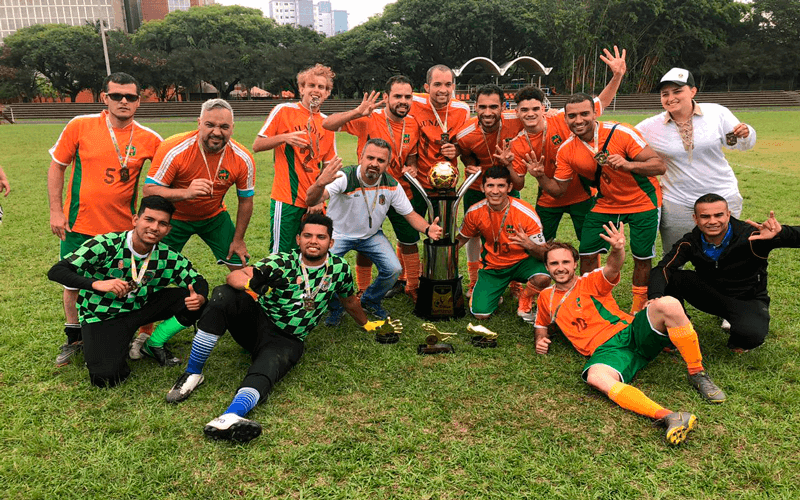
<point x="108" y="256"/>
<point x="297" y="309"/>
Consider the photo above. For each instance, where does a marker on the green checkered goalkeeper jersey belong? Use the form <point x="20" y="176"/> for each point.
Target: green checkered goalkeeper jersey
<point x="108" y="256"/>
<point x="285" y="307"/>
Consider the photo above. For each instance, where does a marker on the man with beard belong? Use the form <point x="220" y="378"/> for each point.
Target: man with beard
<point x="302" y="147"/>
<point x="194" y="170"/>
<point x="360" y="197"/>
<point x="124" y="280"/>
<point x="394" y="125"/>
<point x="294" y="290"/>
<point x="618" y="345"/>
<point x="107" y="151"/>
<point x="614" y="158"/>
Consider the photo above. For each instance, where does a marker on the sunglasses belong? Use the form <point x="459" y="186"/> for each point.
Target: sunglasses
<point x="119" y="97"/>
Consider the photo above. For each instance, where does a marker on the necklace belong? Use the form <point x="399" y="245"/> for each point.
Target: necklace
<point x="364" y="196"/>
<point x="205" y="161"/>
<point x="124" y="173"/>
<point x="397" y="150"/>
<point x="544" y="139"/>
<point x="496" y="140"/>
<point x="496" y="244"/>
<point x="442" y="125"/>
<point x="554" y="314"/>
<point x="601" y="157"/>
<point x="308" y="295"/>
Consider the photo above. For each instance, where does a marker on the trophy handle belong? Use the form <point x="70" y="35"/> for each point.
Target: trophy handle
<point x="414" y="182"/>
<point x="459" y="195"/>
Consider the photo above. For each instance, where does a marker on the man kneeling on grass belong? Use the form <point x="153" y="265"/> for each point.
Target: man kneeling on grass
<point x="294" y="290"/>
<point x="618" y="344"/>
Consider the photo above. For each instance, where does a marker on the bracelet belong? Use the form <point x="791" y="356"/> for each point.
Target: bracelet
<point x="426" y="231"/>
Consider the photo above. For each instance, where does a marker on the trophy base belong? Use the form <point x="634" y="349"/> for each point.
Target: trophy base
<point x="388" y="338"/>
<point x="483" y="342"/>
<point x="441" y="348"/>
<point x="439" y="299"/>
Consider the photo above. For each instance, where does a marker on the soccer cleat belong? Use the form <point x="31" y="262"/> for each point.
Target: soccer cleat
<point x="232" y="427"/>
<point x="160" y="354"/>
<point x="375" y="309"/>
<point x="527" y="317"/>
<point x="184" y="387"/>
<point x="525" y="308"/>
<point x="726" y="325"/>
<point x="707" y="389"/>
<point x="136" y="346"/>
<point x="67" y="351"/>
<point x="398" y="288"/>
<point x="678" y="425"/>
<point x="334" y="317"/>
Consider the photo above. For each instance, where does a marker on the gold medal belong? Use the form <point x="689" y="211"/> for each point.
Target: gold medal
<point x="308" y="303"/>
<point x="601" y="158"/>
<point x="730" y="139"/>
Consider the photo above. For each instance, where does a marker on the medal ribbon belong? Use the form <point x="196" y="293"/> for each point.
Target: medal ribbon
<point x="496" y="140"/>
<point x="219" y="163"/>
<point x="544" y="140"/>
<point x="122" y="163"/>
<point x="309" y="295"/>
<point x="313" y="139"/>
<point x="136" y="277"/>
<point x="442" y="125"/>
<point x="554" y="314"/>
<point x="398" y="150"/>
<point x="593" y="149"/>
<point x="366" y="203"/>
<point x="502" y="224"/>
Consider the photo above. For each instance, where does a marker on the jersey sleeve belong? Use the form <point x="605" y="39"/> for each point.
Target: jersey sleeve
<point x="272" y="126"/>
<point x="337" y="186"/>
<point x="563" y="171"/>
<point x="160" y="172"/>
<point x="400" y="202"/>
<point x="469" y="226"/>
<point x="357" y="127"/>
<point x="63" y="151"/>
<point x="345" y="286"/>
<point x="635" y="142"/>
<point x="246" y="180"/>
<point x="90" y="254"/>
<point x="542" y="311"/>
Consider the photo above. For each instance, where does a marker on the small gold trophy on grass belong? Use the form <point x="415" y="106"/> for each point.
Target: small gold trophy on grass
<point x="482" y="336"/>
<point x="435" y="341"/>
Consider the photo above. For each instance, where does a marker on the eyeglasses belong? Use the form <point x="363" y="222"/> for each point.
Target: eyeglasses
<point x="128" y="97"/>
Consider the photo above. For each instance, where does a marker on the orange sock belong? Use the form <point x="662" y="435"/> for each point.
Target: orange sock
<point x="685" y="339"/>
<point x="526" y="297"/>
<point x="148" y="329"/>
<point x="363" y="277"/>
<point x="399" y="253"/>
<point x="516" y="289"/>
<point x="631" y="398"/>
<point x="472" y="269"/>
<point x="412" y="264"/>
<point x="639" y="298"/>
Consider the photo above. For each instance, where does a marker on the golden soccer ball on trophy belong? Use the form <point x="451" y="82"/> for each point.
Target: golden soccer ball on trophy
<point x="443" y="175"/>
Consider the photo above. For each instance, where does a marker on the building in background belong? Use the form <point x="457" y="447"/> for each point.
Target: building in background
<point x="318" y="16"/>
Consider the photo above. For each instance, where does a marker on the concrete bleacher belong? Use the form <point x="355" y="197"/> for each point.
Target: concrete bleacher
<point x="66" y="111"/>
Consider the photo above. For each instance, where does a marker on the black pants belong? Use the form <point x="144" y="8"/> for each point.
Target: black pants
<point x="273" y="352"/>
<point x="105" y="344"/>
<point x="749" y="319"/>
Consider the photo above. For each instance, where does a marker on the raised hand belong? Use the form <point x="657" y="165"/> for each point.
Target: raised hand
<point x="616" y="62"/>
<point x="615" y="236"/>
<point x="369" y="103"/>
<point x="504" y="155"/>
<point x="330" y="172"/>
<point x="767" y="230"/>
<point x="194" y="301"/>
<point x="535" y="166"/>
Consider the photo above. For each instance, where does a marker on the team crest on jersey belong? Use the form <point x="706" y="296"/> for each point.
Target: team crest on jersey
<point x="406" y="138"/>
<point x="556" y="139"/>
<point x="223" y="175"/>
<point x="578" y="302"/>
<point x="382" y="200"/>
<point x="510" y="229"/>
<point x="130" y="149"/>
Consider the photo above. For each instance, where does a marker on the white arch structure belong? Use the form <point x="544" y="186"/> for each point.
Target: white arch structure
<point x="531" y="64"/>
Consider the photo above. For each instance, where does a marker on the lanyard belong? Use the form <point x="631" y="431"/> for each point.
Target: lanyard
<point x="554" y="314"/>
<point x="442" y="125"/>
<point x="313" y="140"/>
<point x="308" y="296"/>
<point x="124" y="174"/>
<point x="544" y="142"/>
<point x="496" y="141"/>
<point x="496" y="244"/>
<point x="364" y="195"/>
<point x="395" y="149"/>
<point x="136" y="282"/>
<point x="208" y="169"/>
<point x="593" y="149"/>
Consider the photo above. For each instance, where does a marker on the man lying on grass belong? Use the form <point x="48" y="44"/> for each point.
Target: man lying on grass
<point x="618" y="344"/>
<point x="294" y="290"/>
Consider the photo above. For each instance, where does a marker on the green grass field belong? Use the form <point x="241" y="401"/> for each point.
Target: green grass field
<point x="356" y="419"/>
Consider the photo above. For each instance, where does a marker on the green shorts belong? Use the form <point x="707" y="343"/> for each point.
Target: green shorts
<point x="551" y="217"/>
<point x="284" y="225"/>
<point x="71" y="242"/>
<point x="631" y="349"/>
<point x="405" y="234"/>
<point x="472" y="197"/>
<point x="217" y="232"/>
<point x="493" y="282"/>
<point x="643" y="230"/>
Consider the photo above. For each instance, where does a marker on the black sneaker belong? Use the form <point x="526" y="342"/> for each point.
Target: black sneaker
<point x="707" y="389"/>
<point x="160" y="354"/>
<point x="232" y="427"/>
<point x="67" y="352"/>
<point x="398" y="288"/>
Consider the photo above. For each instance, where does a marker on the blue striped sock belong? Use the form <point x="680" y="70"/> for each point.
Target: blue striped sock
<point x="245" y="400"/>
<point x="202" y="345"/>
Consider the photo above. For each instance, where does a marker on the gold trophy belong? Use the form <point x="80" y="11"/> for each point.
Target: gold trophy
<point x="435" y="341"/>
<point x="483" y="337"/>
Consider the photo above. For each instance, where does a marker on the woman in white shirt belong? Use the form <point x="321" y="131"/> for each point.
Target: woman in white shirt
<point x="690" y="137"/>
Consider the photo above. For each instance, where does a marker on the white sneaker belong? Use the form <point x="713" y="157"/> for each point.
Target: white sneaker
<point x="726" y="325"/>
<point x="136" y="346"/>
<point x="184" y="387"/>
<point x="232" y="427"/>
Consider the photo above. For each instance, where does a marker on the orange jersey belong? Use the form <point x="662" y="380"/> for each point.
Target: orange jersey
<point x="178" y="162"/>
<point x="430" y="133"/>
<point x="98" y="200"/>
<point x="481" y="147"/>
<point x="620" y="192"/>
<point x="297" y="169"/>
<point x="404" y="139"/>
<point x="499" y="252"/>
<point x="557" y="132"/>
<point x="588" y="316"/>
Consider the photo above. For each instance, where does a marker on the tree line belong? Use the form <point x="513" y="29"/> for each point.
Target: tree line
<point x="726" y="44"/>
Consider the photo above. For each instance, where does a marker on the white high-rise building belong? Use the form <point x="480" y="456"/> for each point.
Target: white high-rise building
<point x="17" y="14"/>
<point x="319" y="16"/>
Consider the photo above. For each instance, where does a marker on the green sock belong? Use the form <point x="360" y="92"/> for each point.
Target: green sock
<point x="165" y="331"/>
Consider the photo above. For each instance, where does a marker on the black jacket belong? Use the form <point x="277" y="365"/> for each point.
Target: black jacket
<point x="741" y="270"/>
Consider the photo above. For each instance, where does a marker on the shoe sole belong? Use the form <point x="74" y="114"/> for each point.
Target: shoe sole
<point x="239" y="432"/>
<point x="182" y="396"/>
<point x="679" y="434"/>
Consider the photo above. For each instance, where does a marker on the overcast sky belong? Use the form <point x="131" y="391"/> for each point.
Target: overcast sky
<point x="359" y="10"/>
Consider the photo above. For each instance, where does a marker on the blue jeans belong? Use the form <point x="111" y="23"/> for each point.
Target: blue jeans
<point x="378" y="249"/>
